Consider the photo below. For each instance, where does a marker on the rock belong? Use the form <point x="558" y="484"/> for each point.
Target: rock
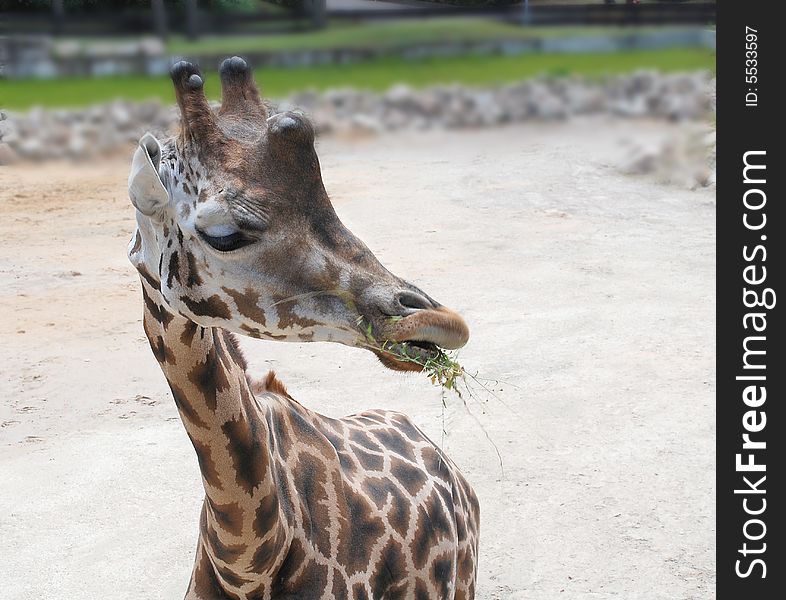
<point x="545" y="104"/>
<point x="77" y="145"/>
<point x="489" y="111"/>
<point x="686" y="159"/>
<point x="7" y="155"/>
<point x="367" y="123"/>
<point x="636" y="106"/>
<point x="33" y="148"/>
<point x="400" y="95"/>
<point x="642" y="160"/>
<point x="8" y="131"/>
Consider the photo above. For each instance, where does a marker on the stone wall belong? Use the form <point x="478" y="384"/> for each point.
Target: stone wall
<point x="46" y="134"/>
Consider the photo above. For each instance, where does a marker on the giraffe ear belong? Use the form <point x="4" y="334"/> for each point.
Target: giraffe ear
<point x="145" y="188"/>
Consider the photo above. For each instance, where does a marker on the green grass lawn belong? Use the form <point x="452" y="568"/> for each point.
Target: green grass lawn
<point x="395" y="34"/>
<point x="386" y="35"/>
<point x="376" y="75"/>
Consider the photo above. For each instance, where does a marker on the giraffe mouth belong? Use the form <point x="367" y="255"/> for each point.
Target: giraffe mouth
<point x="419" y="341"/>
<point x="411" y="355"/>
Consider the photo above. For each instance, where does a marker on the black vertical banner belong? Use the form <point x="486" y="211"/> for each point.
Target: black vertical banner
<point x="751" y="428"/>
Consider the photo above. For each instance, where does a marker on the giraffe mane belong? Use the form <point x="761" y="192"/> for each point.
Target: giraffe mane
<point x="270" y="383"/>
<point x="236" y="351"/>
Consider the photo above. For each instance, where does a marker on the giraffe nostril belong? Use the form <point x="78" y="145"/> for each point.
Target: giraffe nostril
<point x="412" y="300"/>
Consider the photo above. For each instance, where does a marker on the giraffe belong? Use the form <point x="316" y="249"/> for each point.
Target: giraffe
<point x="236" y="235"/>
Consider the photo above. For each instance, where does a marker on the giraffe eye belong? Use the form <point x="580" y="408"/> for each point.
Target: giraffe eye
<point x="225" y="239"/>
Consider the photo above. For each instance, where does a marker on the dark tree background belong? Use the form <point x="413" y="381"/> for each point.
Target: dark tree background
<point x="477" y="2"/>
<point x="78" y="5"/>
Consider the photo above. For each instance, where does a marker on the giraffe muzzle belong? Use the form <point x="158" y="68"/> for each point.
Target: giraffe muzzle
<point x="439" y="326"/>
<point x="408" y="341"/>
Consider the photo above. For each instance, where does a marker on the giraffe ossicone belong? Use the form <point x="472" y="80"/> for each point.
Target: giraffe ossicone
<point x="236" y="235"/>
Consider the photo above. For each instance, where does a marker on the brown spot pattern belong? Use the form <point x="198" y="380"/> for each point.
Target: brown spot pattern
<point x="213" y="307"/>
<point x="206" y="465"/>
<point x="267" y="515"/>
<point x="359" y="592"/>
<point x="187" y="336"/>
<point x="229" y="553"/>
<point x="287" y="317"/>
<point x="311" y="481"/>
<point x="228" y="516"/>
<point x="192" y="278"/>
<point x="157" y="312"/>
<point x="205" y="582"/>
<point x="390" y="574"/>
<point x="187" y="410"/>
<point x="173" y="269"/>
<point x="153" y="282"/>
<point x="245" y="445"/>
<point x="363" y="530"/>
<point x="248" y="304"/>
<point x="210" y="377"/>
<point x="412" y="478"/>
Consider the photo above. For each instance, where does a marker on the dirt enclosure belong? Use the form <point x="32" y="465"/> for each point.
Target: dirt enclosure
<point x="589" y="292"/>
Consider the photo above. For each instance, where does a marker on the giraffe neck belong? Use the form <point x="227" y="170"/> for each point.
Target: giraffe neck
<point x="243" y="526"/>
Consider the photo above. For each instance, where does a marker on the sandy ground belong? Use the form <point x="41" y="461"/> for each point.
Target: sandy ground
<point x="591" y="291"/>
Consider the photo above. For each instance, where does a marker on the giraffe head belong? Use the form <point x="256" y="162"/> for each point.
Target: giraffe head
<point x="235" y="228"/>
